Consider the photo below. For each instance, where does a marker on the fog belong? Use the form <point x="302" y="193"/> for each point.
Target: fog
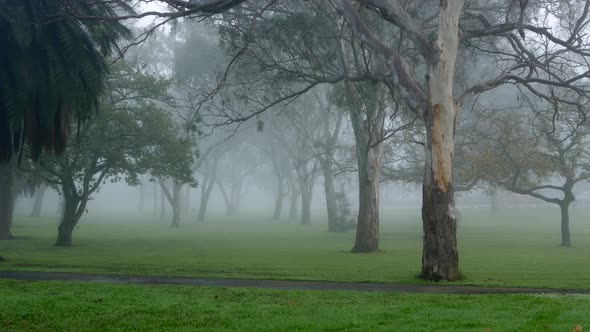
<point x="334" y="117"/>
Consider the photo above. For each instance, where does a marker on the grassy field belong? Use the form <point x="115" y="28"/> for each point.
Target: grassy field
<point x="53" y="306"/>
<point x="518" y="247"/>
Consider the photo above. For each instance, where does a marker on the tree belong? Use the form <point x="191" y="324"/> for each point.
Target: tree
<point x="424" y="69"/>
<point x="7" y="198"/>
<point x="124" y="141"/>
<point x="239" y="161"/>
<point x="53" y="69"/>
<point x="536" y="154"/>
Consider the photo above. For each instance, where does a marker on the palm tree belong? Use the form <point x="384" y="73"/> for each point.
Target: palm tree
<point x="53" y="66"/>
<point x="52" y="69"/>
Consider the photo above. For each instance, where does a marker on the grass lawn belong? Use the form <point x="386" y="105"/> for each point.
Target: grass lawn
<point x="48" y="306"/>
<point x="515" y="248"/>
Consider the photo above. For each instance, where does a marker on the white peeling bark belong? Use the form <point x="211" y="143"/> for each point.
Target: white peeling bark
<point x="440" y="260"/>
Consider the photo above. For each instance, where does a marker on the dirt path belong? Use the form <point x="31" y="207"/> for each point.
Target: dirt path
<point x="276" y="284"/>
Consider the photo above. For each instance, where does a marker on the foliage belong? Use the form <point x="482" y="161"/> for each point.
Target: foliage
<point x="52" y="69"/>
<point x="132" y="135"/>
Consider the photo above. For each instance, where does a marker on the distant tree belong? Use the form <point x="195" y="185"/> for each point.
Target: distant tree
<point x="536" y="154"/>
<point x="38" y="200"/>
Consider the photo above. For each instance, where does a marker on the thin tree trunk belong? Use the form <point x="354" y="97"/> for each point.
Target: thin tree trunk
<point x="565" y="225"/>
<point x="141" y="202"/>
<point x="494" y="202"/>
<point x="38" y="200"/>
<point x="208" y="184"/>
<point x="236" y="195"/>
<point x="440" y="258"/>
<point x="293" y="207"/>
<point x="6" y="200"/>
<point x="155" y="212"/>
<point x="278" y="209"/>
<point x="330" y="195"/>
<point x="162" y="203"/>
<point x="186" y="200"/>
<point x="306" y="196"/>
<point x="174" y="199"/>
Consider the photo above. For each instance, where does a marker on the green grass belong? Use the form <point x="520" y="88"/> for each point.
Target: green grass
<point x="56" y="306"/>
<point x="514" y="248"/>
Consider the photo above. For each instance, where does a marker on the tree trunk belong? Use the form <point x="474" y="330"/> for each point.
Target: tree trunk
<point x="367" y="231"/>
<point x="368" y="135"/>
<point x="278" y="210"/>
<point x="74" y="207"/>
<point x="293" y="207"/>
<point x="174" y="199"/>
<point x="206" y="189"/>
<point x="186" y="202"/>
<point x="66" y="226"/>
<point x="236" y="194"/>
<point x="162" y="203"/>
<point x="61" y="207"/>
<point x="155" y="212"/>
<point x="330" y="195"/>
<point x="440" y="258"/>
<point x="494" y="202"/>
<point x="141" y="202"/>
<point x="6" y="200"/>
<point x="306" y="196"/>
<point x="38" y="200"/>
<point x="175" y="202"/>
<point x="565" y="225"/>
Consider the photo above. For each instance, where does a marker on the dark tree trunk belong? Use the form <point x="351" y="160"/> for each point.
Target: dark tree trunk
<point x="61" y="207"/>
<point x="330" y="193"/>
<point x="66" y="228"/>
<point x="306" y="196"/>
<point x="440" y="258"/>
<point x="565" y="225"/>
<point x="74" y="207"/>
<point x="38" y="201"/>
<point x="6" y="200"/>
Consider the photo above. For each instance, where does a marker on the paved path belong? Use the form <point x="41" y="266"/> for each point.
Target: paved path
<point x="277" y="284"/>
